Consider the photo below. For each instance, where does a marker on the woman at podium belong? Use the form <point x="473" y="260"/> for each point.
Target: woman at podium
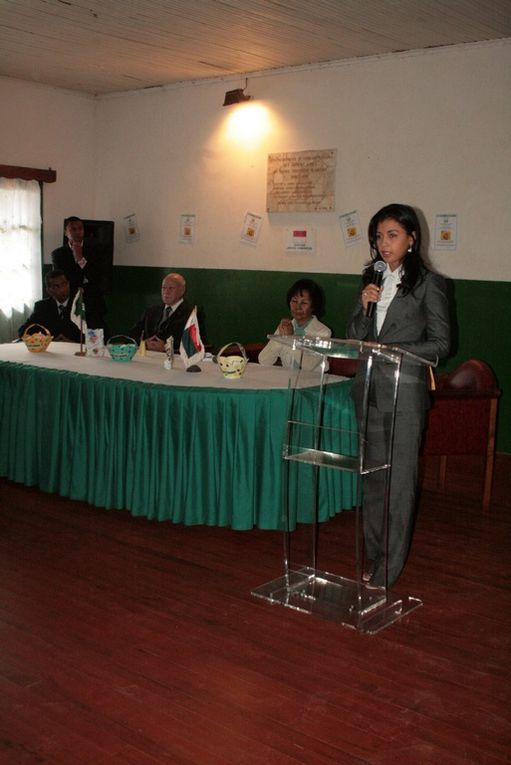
<point x="401" y="303"/>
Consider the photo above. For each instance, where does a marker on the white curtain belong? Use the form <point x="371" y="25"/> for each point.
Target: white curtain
<point x="20" y="253"/>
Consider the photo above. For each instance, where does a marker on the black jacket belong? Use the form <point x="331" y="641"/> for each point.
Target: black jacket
<point x="175" y="324"/>
<point x="46" y="313"/>
<point x="93" y="278"/>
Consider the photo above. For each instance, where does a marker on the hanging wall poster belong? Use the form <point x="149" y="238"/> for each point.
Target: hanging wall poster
<point x="251" y="228"/>
<point x="187" y="228"/>
<point x="350" y="226"/>
<point x="301" y="239"/>
<point x="446" y="232"/>
<point x="131" y="232"/>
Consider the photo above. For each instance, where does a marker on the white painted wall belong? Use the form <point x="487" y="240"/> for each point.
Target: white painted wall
<point x="428" y="128"/>
<point x="48" y="127"/>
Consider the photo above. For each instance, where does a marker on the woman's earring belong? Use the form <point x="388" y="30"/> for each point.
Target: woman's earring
<point x="410" y="248"/>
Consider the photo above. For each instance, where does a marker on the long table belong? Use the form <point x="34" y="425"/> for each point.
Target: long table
<point x="163" y="444"/>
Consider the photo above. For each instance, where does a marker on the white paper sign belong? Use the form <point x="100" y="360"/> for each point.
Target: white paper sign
<point x="251" y="228"/>
<point x="187" y="228"/>
<point x="131" y="231"/>
<point x="446" y="232"/>
<point x="350" y="226"/>
<point x="301" y="239"/>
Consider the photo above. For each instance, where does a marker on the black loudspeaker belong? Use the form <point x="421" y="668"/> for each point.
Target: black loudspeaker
<point x="102" y="231"/>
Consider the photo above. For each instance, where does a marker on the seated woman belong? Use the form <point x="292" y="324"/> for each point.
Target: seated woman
<point x="305" y="300"/>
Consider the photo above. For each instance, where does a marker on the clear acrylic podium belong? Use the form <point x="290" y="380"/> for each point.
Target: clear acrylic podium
<point x="312" y="440"/>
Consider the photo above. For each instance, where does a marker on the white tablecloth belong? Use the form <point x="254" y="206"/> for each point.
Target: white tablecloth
<point x="150" y="369"/>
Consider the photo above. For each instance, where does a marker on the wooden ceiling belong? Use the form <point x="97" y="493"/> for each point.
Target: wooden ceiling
<point x="103" y="46"/>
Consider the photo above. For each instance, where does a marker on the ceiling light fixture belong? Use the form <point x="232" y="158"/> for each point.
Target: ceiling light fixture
<point x="236" y="96"/>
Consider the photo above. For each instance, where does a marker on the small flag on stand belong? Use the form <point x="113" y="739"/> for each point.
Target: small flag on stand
<point x="191" y="348"/>
<point x="77" y="315"/>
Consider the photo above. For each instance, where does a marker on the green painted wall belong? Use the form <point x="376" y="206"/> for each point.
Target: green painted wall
<point x="245" y="306"/>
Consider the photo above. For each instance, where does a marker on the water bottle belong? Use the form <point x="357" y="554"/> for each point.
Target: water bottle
<point x="169" y="353"/>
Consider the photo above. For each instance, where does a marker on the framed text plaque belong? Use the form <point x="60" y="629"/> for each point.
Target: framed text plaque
<point x="301" y="181"/>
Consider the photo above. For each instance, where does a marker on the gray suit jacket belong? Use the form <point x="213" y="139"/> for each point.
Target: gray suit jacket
<point x="417" y="322"/>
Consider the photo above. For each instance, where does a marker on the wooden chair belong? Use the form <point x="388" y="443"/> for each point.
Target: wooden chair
<point x="252" y="350"/>
<point x="342" y="367"/>
<point x="462" y="419"/>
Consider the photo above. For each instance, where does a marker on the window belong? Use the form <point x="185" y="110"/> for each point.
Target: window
<point x="20" y="252"/>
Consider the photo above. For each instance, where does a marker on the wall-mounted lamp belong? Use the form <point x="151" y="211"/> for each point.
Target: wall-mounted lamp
<point x="235" y="97"/>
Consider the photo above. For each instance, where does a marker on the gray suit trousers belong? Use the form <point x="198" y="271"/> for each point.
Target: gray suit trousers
<point x="407" y="441"/>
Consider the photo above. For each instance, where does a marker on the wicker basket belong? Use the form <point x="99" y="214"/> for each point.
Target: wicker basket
<point x="232" y="366"/>
<point x="37" y="342"/>
<point x="122" y="347"/>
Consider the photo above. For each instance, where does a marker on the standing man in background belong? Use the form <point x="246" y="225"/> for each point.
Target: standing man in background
<point x="85" y="266"/>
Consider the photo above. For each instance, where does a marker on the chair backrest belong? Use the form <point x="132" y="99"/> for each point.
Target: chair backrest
<point x="472" y="376"/>
<point x="342" y="367"/>
<point x="462" y="415"/>
<point x="252" y="350"/>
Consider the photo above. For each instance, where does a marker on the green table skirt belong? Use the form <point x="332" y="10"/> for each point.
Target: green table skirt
<point x="183" y="454"/>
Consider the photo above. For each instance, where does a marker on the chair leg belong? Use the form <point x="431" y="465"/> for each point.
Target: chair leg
<point x="490" y="457"/>
<point x="442" y="470"/>
<point x="488" y="481"/>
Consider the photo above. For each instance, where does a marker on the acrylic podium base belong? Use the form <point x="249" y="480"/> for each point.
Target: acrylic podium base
<point x="337" y="599"/>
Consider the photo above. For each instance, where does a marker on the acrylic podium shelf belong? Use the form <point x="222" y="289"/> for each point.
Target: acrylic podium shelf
<point x="346" y="599"/>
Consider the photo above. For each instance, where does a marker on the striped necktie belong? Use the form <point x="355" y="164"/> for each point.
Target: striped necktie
<point x="166" y="313"/>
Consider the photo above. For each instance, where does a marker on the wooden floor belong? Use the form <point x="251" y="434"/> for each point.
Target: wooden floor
<point x="129" y="641"/>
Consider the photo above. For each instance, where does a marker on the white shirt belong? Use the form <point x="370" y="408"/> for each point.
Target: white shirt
<point x="391" y="282"/>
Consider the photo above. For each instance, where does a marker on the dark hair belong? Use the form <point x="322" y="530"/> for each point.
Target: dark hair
<point x="315" y="292"/>
<point x="71" y="219"/>
<point x="51" y="275"/>
<point x="413" y="264"/>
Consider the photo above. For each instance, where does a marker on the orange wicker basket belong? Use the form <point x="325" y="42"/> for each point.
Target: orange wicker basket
<point x="37" y="342"/>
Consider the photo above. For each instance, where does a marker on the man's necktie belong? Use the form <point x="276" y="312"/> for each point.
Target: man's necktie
<point x="166" y="313"/>
<point x="62" y="309"/>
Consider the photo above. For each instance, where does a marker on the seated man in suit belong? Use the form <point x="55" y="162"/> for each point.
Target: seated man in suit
<point x="85" y="265"/>
<point x="54" y="312"/>
<point x="159" y="322"/>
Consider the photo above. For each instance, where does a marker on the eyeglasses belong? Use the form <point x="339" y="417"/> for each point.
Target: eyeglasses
<point x="300" y="303"/>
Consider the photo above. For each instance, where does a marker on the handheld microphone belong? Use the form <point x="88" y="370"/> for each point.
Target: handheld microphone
<point x="379" y="269"/>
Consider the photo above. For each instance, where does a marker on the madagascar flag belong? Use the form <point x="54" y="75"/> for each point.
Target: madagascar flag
<point x="191" y="348"/>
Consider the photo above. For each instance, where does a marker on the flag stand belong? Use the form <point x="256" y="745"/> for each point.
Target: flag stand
<point x="81" y="352"/>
